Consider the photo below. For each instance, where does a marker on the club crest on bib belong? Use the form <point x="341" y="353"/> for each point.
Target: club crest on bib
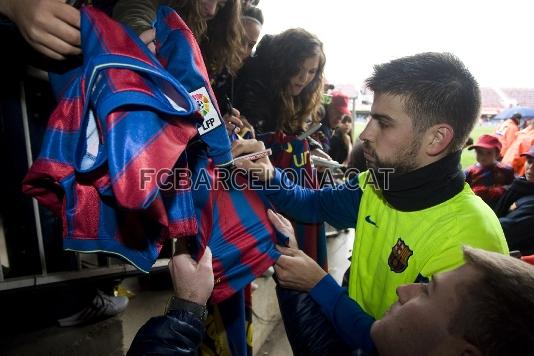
<point x="399" y="256"/>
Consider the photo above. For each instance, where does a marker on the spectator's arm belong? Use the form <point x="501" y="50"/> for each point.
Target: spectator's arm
<point x="177" y="333"/>
<point x="50" y="26"/>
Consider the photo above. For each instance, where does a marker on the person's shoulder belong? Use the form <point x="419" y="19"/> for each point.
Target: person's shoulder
<point x="504" y="167"/>
<point x="473" y="168"/>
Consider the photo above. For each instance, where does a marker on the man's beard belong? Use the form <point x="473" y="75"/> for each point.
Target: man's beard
<point x="403" y="162"/>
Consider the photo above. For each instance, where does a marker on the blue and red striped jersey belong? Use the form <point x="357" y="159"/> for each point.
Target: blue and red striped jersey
<point x="96" y="148"/>
<point x="121" y="120"/>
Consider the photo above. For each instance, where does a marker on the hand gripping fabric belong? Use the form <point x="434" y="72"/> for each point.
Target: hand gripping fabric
<point x="121" y="118"/>
<point x="234" y="223"/>
<point x="179" y="52"/>
<point x="294" y="154"/>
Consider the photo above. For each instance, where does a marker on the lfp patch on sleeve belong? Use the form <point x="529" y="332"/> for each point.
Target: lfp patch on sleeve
<point x="206" y="108"/>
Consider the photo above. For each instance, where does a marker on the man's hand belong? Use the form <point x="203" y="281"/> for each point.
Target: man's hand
<point x="193" y="281"/>
<point x="50" y="26"/>
<point x="295" y="270"/>
<point x="232" y="122"/>
<point x="261" y="168"/>
<point x="284" y="226"/>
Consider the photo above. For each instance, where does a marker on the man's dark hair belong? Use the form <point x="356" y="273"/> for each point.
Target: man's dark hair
<point x="497" y="310"/>
<point x="436" y="88"/>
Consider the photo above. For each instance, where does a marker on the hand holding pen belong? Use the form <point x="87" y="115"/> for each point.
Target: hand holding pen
<point x="231" y="118"/>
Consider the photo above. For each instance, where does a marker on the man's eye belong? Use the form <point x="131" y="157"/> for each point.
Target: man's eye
<point x="382" y="124"/>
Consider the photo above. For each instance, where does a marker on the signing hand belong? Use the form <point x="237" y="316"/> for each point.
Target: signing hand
<point x="296" y="270"/>
<point x="261" y="168"/>
<point x="50" y="26"/>
<point x="193" y="281"/>
<point x="284" y="226"/>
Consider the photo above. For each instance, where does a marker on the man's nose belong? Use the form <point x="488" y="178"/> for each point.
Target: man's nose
<point x="367" y="133"/>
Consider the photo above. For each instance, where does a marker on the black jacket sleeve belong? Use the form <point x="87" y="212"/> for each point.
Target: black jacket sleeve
<point x="308" y="330"/>
<point x="518" y="225"/>
<point x="177" y="333"/>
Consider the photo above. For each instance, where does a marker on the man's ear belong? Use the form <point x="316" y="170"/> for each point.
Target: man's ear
<point x="438" y="139"/>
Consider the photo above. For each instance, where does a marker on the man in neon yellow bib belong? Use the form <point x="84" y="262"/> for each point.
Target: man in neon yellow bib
<point x="412" y="210"/>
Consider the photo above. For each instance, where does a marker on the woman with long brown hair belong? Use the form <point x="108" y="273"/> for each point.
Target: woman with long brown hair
<point x="216" y="25"/>
<point x="281" y="85"/>
<point x="277" y="91"/>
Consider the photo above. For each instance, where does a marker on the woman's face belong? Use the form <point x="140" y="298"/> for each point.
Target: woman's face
<point x="346" y="126"/>
<point x="209" y="8"/>
<point x="252" y="32"/>
<point x="307" y="72"/>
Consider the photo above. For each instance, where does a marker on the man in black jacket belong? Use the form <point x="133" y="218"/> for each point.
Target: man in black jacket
<point x="515" y="209"/>
<point x="180" y="330"/>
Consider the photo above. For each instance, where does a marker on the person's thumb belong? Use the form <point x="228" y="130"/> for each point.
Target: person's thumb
<point x="207" y="257"/>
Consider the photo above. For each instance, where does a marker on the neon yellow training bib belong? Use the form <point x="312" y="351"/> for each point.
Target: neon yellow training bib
<point x="393" y="247"/>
